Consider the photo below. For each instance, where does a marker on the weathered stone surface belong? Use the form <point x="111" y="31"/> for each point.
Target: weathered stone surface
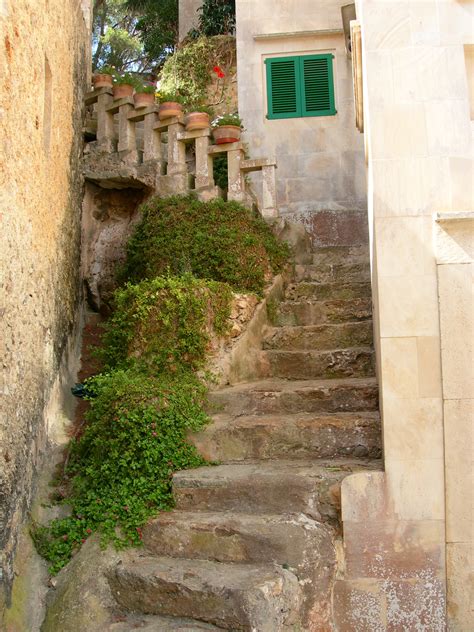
<point x="331" y="273"/>
<point x="301" y="365"/>
<point x="154" y="623"/>
<point x="298" y="436"/>
<point x="44" y="61"/>
<point x="310" y="487"/>
<point x="306" y="312"/>
<point x="109" y="218"/>
<point x="82" y="600"/>
<point x="328" y="336"/>
<point x="324" y="291"/>
<point x="281" y="396"/>
<point x="231" y="596"/>
<point x="341" y="255"/>
<point x="296" y="542"/>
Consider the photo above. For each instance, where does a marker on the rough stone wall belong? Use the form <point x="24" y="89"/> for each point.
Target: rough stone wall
<point x="44" y="63"/>
<point x="320" y="159"/>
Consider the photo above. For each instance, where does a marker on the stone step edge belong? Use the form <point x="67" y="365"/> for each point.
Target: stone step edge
<point x="270" y="384"/>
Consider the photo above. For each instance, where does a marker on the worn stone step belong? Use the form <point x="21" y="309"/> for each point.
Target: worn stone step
<point x="325" y="291"/>
<point x="293" y="541"/>
<point x="307" y="365"/>
<point x="156" y="623"/>
<point x="300" y="436"/>
<point x="279" y="486"/>
<point x="268" y="397"/>
<point x="306" y="312"/>
<point x="331" y="273"/>
<point x="341" y="255"/>
<point x="231" y="596"/>
<point x="320" y="337"/>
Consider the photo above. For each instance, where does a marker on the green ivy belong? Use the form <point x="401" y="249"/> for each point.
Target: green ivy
<point x="120" y="469"/>
<point x="166" y="323"/>
<point x="216" y="240"/>
<point x="217" y="17"/>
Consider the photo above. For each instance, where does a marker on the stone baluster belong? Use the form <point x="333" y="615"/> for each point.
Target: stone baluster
<point x="236" y="179"/>
<point x="152" y="149"/>
<point x="127" y="131"/>
<point x="105" y="121"/>
<point x="204" y="164"/>
<point x="269" y="203"/>
<point x="176" y="149"/>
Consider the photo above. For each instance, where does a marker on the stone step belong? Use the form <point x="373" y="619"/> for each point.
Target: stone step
<point x="295" y="542"/>
<point x="325" y="291"/>
<point x="231" y="596"/>
<point x="300" y="436"/>
<point x="321" y="337"/>
<point x="331" y="273"/>
<point x="306" y="312"/>
<point x="280" y="486"/>
<point x="268" y="397"/>
<point x="341" y="255"/>
<point x="155" y="623"/>
<point x="307" y="365"/>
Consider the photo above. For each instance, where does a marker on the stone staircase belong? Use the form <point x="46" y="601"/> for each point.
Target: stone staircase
<point x="253" y="543"/>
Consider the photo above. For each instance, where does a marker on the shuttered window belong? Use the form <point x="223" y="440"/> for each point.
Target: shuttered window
<point x="300" y="86"/>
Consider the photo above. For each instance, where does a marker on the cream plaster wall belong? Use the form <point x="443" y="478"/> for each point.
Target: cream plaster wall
<point x="44" y="63"/>
<point x="420" y="163"/>
<point x="320" y="159"/>
<point x="188" y="16"/>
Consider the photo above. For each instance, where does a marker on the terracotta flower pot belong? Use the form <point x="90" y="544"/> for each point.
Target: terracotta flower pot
<point x="143" y="99"/>
<point x="197" y="120"/>
<point x="102" y="81"/>
<point x="122" y="90"/>
<point x="226" y="134"/>
<point x="168" y="109"/>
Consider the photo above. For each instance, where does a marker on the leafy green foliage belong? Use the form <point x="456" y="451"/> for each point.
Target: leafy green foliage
<point x="189" y="71"/>
<point x="228" y="119"/>
<point x="134" y="35"/>
<point x="120" y="469"/>
<point x="166" y="323"/>
<point x="216" y="240"/>
<point x="217" y="17"/>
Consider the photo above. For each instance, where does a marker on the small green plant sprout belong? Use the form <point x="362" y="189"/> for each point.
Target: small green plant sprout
<point x="124" y="78"/>
<point x="171" y="97"/>
<point x="228" y="119"/>
<point x="145" y="87"/>
<point x="105" y="70"/>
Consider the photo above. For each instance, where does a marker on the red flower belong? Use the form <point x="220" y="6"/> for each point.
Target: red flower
<point x="217" y="69"/>
<point x="89" y="530"/>
<point x="83" y="540"/>
<point x="221" y="75"/>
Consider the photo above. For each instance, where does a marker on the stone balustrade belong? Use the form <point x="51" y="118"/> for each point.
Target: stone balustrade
<point x="133" y="146"/>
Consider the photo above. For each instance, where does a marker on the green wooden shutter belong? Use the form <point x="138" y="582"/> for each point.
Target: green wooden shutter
<point x="300" y="86"/>
<point x="317" y="80"/>
<point x="283" y="88"/>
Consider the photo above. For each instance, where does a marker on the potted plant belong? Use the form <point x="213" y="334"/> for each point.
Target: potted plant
<point x="144" y="95"/>
<point x="198" y="118"/>
<point x="170" y="106"/>
<point x="103" y="77"/>
<point x="227" y="129"/>
<point x="124" y="85"/>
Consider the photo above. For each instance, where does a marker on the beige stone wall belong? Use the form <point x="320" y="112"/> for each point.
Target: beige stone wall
<point x="320" y="159"/>
<point x="44" y="61"/>
<point x="188" y="16"/>
<point x="420" y="164"/>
